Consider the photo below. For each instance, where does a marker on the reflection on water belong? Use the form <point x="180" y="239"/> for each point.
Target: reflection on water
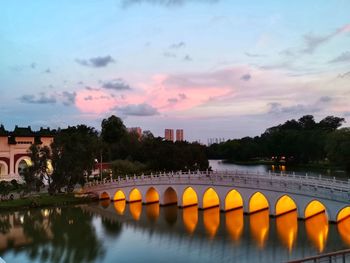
<point x="211" y="218"/>
<point x="344" y="230"/>
<point x="119" y="206"/>
<point x="317" y="230"/>
<point x="152" y="211"/>
<point x="190" y="218"/>
<point x="135" y="209"/>
<point x="234" y="223"/>
<point x="105" y="203"/>
<point x="114" y="232"/>
<point x="287" y="229"/>
<point x="259" y="226"/>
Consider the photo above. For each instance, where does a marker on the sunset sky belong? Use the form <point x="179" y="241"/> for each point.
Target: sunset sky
<point x="215" y="68"/>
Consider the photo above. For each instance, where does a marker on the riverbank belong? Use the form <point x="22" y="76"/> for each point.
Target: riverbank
<point x="45" y="200"/>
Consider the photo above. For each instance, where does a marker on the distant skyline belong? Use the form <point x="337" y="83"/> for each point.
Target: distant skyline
<point x="216" y="68"/>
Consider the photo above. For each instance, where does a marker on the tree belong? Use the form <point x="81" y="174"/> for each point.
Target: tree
<point x="74" y="151"/>
<point x="338" y="147"/>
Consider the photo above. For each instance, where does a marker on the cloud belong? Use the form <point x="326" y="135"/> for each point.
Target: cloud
<point x="187" y="58"/>
<point x="177" y="45"/>
<point x="96" y="62"/>
<point x="42" y="98"/>
<point x="182" y="96"/>
<point x="344" y="57"/>
<point x="166" y="3"/>
<point x="33" y="65"/>
<point x="116" y="84"/>
<point x="246" y="77"/>
<point x="173" y="100"/>
<point x="312" y="41"/>
<point x="68" y="98"/>
<point x="47" y="71"/>
<point x="169" y="54"/>
<point x="143" y="109"/>
<point x="346" y="74"/>
<point x="253" y="55"/>
<point x="91" y="89"/>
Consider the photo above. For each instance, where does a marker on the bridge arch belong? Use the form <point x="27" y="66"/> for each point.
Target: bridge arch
<point x="189" y="197"/>
<point x="343" y="213"/>
<point x="210" y="198"/>
<point x="104" y="196"/>
<point x="233" y="200"/>
<point x="119" y="195"/>
<point x="170" y="196"/>
<point x="285" y="204"/>
<point x="258" y="202"/>
<point x="135" y="195"/>
<point x="152" y="196"/>
<point x="313" y="208"/>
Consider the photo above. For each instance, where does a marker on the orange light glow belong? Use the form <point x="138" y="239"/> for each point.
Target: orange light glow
<point x="233" y="200"/>
<point x="119" y="206"/>
<point x="344" y="230"/>
<point x="287" y="229"/>
<point x="105" y="203"/>
<point x="284" y="205"/>
<point x="189" y="197"/>
<point x="258" y="202"/>
<point x="313" y="208"/>
<point x="152" y="212"/>
<point x="317" y="230"/>
<point x="343" y="214"/>
<point x="135" y="210"/>
<point x="170" y="196"/>
<point x="210" y="199"/>
<point x="211" y="218"/>
<point x="190" y="218"/>
<point x="259" y="227"/>
<point x="152" y="196"/>
<point x="135" y="195"/>
<point x="119" y="195"/>
<point x="104" y="195"/>
<point x="234" y="223"/>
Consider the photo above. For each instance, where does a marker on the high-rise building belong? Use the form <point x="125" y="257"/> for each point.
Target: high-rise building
<point x="179" y="135"/>
<point x="136" y="130"/>
<point x="169" y="134"/>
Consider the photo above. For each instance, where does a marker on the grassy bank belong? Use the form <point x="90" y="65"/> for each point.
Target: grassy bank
<point x="44" y="200"/>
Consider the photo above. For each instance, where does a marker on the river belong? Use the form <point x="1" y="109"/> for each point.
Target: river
<point x="119" y="232"/>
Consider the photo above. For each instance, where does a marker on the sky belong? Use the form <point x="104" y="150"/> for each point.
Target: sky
<point x="215" y="68"/>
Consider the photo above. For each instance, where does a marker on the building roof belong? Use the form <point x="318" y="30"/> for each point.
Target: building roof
<point x="23" y="132"/>
<point x="3" y="132"/>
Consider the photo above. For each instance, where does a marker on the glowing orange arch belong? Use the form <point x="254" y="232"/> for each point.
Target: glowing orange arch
<point x="210" y="198"/>
<point x="189" y="197"/>
<point x="315" y="207"/>
<point x="135" y="195"/>
<point x="152" y="195"/>
<point x="258" y="202"/>
<point x="119" y="195"/>
<point x="233" y="200"/>
<point x="343" y="214"/>
<point x="284" y="205"/>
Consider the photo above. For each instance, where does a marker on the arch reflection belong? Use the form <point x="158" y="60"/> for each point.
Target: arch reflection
<point x="135" y="210"/>
<point x="119" y="206"/>
<point x="105" y="203"/>
<point x="170" y="214"/>
<point x="344" y="230"/>
<point x="190" y="218"/>
<point x="317" y="230"/>
<point x="152" y="211"/>
<point x="211" y="218"/>
<point x="259" y="227"/>
<point x="287" y="229"/>
<point x="234" y="223"/>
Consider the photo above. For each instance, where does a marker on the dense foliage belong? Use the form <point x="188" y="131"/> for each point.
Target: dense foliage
<point x="300" y="141"/>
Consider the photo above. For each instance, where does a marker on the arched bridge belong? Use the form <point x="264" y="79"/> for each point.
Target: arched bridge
<point x="280" y="193"/>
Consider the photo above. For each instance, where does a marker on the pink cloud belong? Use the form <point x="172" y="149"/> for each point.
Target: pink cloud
<point x="94" y="101"/>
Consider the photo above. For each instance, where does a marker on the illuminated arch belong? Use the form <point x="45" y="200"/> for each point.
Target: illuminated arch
<point x="22" y="163"/>
<point x="343" y="214"/>
<point x="104" y="196"/>
<point x="170" y="196"/>
<point x="285" y="205"/>
<point x="152" y="196"/>
<point x="119" y="195"/>
<point x="210" y="198"/>
<point x="4" y="169"/>
<point x="233" y="200"/>
<point x="258" y="202"/>
<point x="189" y="197"/>
<point x="315" y="207"/>
<point x="135" y="195"/>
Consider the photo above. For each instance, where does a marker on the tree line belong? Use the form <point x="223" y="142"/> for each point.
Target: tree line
<point x="302" y="141"/>
<point x="75" y="151"/>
